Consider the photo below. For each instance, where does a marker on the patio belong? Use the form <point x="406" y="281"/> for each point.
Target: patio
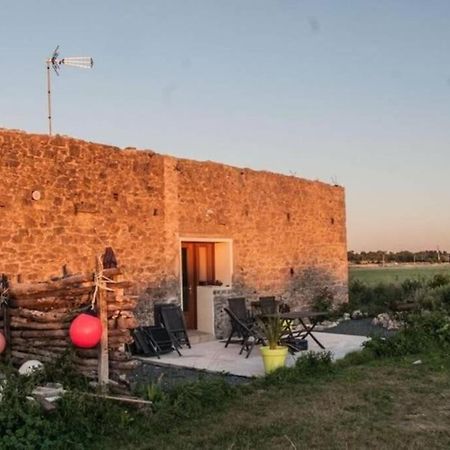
<point x="212" y="356"/>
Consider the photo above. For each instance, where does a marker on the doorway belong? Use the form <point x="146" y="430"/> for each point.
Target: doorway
<point x="197" y="269"/>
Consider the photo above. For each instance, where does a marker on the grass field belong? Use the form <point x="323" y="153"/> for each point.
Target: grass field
<point x="395" y="274"/>
<point x="392" y="404"/>
<point x="368" y="400"/>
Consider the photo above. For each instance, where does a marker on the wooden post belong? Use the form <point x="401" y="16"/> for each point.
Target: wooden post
<point x="5" y="314"/>
<point x="103" y="360"/>
<point x="7" y="328"/>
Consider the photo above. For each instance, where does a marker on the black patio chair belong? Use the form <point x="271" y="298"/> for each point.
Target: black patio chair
<point x="268" y="305"/>
<point x="250" y="333"/>
<point x="238" y="306"/>
<point x="152" y="341"/>
<point x="173" y="321"/>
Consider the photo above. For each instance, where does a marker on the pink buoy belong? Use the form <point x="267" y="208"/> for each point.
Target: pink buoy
<point x="85" y="331"/>
<point x="2" y="343"/>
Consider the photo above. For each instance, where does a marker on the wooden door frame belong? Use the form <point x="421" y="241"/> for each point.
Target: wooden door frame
<point x="193" y="276"/>
<point x="192" y="282"/>
<point x="197" y="239"/>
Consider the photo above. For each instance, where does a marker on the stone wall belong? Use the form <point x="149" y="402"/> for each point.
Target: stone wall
<point x="91" y="196"/>
<point x="288" y="234"/>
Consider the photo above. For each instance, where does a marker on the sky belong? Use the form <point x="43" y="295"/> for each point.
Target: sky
<point x="349" y="92"/>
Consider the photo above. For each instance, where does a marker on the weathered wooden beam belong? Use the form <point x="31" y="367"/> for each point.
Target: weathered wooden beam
<point x="37" y="351"/>
<point x="25" y="324"/>
<point x="7" y="328"/>
<point x="44" y="343"/>
<point x="126" y="305"/>
<point x="55" y="299"/>
<point x="42" y="316"/>
<point x="22" y="289"/>
<point x="121" y="398"/>
<point x="40" y="333"/>
<point x="103" y="361"/>
<point x="27" y="355"/>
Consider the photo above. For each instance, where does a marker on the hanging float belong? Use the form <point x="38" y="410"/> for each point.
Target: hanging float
<point x="86" y="330"/>
<point x="2" y="343"/>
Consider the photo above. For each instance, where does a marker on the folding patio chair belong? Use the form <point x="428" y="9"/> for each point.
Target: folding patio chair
<point x="161" y="338"/>
<point x="239" y="308"/>
<point x="250" y="333"/>
<point x="152" y="341"/>
<point x="268" y="305"/>
<point x="140" y="344"/>
<point x="173" y="320"/>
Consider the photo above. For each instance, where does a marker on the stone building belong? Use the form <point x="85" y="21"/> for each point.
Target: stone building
<point x="185" y="231"/>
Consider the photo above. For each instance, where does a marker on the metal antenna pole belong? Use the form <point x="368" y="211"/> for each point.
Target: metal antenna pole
<point x="49" y="100"/>
<point x="85" y="62"/>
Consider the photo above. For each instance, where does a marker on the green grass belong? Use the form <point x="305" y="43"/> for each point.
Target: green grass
<point x="389" y="404"/>
<point x="360" y="402"/>
<point x="377" y="398"/>
<point x="395" y="274"/>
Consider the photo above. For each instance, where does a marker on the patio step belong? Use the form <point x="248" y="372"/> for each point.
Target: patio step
<point x="196" y="337"/>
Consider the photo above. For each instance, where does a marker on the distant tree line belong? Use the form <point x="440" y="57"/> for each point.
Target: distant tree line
<point x="380" y="257"/>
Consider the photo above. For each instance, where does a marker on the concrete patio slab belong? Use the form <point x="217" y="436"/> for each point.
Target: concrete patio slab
<point x="214" y="357"/>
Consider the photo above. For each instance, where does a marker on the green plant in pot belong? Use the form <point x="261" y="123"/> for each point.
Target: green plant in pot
<point x="274" y="354"/>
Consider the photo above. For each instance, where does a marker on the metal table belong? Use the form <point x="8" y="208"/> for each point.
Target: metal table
<point x="306" y="330"/>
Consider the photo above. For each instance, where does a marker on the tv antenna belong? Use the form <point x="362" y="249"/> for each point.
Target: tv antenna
<point x="84" y="62"/>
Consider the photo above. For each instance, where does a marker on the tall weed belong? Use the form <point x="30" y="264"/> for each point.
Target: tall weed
<point x="423" y="331"/>
<point x="385" y="297"/>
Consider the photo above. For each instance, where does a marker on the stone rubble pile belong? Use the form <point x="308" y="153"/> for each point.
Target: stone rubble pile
<point x="386" y="321"/>
<point x="382" y="320"/>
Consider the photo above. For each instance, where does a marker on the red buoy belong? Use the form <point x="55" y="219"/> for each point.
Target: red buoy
<point x="85" y="331"/>
<point x="2" y="343"/>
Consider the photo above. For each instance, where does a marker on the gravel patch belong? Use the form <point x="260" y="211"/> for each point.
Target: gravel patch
<point x="173" y="375"/>
<point x="359" y="327"/>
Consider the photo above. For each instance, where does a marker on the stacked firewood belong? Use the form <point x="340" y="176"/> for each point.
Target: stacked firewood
<point x="40" y="315"/>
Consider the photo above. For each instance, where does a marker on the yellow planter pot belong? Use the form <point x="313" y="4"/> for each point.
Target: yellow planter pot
<point x="273" y="358"/>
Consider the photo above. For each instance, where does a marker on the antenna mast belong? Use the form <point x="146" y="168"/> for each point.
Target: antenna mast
<point x="85" y="62"/>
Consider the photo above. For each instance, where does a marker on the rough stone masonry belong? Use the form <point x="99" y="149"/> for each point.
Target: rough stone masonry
<point x="63" y="200"/>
